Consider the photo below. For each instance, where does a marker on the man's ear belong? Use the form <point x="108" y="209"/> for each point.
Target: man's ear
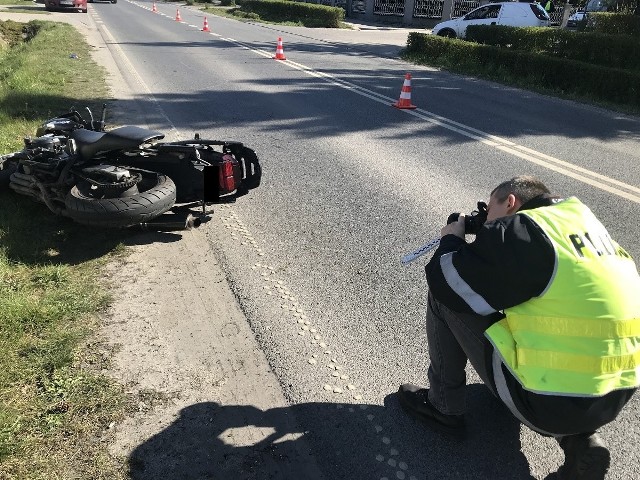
<point x="513" y="204"/>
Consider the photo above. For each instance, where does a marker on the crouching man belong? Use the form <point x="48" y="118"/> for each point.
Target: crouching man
<point x="546" y="307"/>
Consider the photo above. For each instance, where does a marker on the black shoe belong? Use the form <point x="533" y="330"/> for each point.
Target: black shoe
<point x="415" y="401"/>
<point x="586" y="457"/>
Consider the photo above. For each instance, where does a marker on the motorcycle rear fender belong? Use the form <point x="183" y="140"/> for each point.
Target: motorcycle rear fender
<point x="199" y="174"/>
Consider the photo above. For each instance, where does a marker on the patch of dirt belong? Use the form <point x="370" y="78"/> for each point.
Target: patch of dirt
<point x="186" y="350"/>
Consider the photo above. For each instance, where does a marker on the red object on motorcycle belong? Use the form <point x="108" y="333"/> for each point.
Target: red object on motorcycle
<point x="229" y="170"/>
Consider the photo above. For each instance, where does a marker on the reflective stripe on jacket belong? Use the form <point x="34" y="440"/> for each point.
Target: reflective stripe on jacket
<point x="581" y="335"/>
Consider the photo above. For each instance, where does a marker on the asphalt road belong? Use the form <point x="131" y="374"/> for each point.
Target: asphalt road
<point x="350" y="185"/>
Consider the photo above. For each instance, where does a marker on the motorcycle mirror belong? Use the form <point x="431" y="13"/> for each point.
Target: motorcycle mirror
<point x="90" y="116"/>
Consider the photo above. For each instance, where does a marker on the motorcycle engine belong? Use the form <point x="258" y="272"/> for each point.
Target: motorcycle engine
<point x="45" y="142"/>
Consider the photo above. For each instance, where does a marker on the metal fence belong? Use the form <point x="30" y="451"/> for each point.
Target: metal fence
<point x="359" y="6"/>
<point x="329" y="3"/>
<point x="388" y="7"/>
<point x="428" y="8"/>
<point x="556" y="16"/>
<point x="462" y="7"/>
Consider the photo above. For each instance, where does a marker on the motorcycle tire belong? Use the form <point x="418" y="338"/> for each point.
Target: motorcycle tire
<point x="124" y="211"/>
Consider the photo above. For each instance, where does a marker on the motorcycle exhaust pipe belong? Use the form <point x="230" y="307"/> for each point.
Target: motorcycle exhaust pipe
<point x="36" y="190"/>
<point x="22" y="179"/>
<point x="175" y="221"/>
<point x="26" y="190"/>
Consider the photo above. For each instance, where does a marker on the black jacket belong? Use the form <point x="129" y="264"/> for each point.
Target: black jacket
<point x="510" y="261"/>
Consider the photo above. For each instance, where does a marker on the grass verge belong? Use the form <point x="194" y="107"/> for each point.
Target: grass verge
<point x="55" y="406"/>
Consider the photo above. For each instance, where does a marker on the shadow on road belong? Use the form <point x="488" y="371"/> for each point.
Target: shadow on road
<point x="349" y="441"/>
<point x="31" y="234"/>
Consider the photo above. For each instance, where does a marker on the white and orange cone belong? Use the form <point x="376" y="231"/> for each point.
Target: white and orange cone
<point x="206" y="25"/>
<point x="405" y="94"/>
<point x="280" y="51"/>
<point x="178" y="17"/>
<point x="154" y="9"/>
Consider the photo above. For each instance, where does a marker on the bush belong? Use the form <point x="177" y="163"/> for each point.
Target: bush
<point x="308" y="14"/>
<point x="249" y="15"/>
<point x="569" y="76"/>
<point x="613" y="23"/>
<point x="614" y="51"/>
<point x="228" y="3"/>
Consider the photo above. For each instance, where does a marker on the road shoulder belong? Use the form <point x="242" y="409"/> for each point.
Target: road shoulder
<point x="184" y="344"/>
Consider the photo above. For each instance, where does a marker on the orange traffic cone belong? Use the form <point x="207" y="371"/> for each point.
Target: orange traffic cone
<point x="405" y="94"/>
<point x="154" y="9"/>
<point x="178" y="17"/>
<point x="206" y="25"/>
<point x="280" y="51"/>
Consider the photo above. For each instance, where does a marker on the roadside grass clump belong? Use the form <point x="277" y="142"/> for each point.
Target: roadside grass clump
<point x="56" y="408"/>
<point x="41" y="77"/>
<point x="24" y="6"/>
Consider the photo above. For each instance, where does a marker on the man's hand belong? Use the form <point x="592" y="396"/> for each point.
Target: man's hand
<point x="455" y="228"/>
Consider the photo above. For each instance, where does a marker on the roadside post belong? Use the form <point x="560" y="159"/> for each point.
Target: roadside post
<point x="566" y="13"/>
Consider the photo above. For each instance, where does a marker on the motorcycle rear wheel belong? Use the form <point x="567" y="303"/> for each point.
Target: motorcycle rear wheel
<point x="157" y="196"/>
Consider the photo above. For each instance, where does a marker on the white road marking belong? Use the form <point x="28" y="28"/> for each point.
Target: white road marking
<point x="334" y="386"/>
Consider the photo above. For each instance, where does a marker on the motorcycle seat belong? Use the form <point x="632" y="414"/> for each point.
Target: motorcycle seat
<point x="90" y="143"/>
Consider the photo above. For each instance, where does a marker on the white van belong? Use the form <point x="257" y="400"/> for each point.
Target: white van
<point x="513" y="14"/>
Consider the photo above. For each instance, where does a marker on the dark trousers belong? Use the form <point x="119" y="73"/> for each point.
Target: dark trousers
<point x="456" y="337"/>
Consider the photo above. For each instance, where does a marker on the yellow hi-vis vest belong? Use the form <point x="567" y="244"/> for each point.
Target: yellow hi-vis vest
<point x="581" y="336"/>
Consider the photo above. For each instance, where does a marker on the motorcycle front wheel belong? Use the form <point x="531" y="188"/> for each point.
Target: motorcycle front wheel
<point x="156" y="194"/>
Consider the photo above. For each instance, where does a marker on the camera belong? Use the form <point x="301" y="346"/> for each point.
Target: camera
<point x="473" y="222"/>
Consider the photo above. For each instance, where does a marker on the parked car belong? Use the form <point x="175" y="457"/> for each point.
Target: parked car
<point x="513" y="14"/>
<point x="581" y="14"/>
<point x="66" y="4"/>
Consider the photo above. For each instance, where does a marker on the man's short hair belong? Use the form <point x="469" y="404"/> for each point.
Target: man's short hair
<point x="524" y="187"/>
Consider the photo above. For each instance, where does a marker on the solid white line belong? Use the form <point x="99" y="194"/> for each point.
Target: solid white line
<point x="580" y="169"/>
<point x="572" y="174"/>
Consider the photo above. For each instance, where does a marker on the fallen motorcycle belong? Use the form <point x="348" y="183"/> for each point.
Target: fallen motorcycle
<point x="125" y="176"/>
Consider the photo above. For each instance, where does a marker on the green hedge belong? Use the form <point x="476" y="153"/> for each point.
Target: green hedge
<point x="613" y="23"/>
<point x="613" y="51"/>
<point x="569" y="76"/>
<point x="308" y="14"/>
